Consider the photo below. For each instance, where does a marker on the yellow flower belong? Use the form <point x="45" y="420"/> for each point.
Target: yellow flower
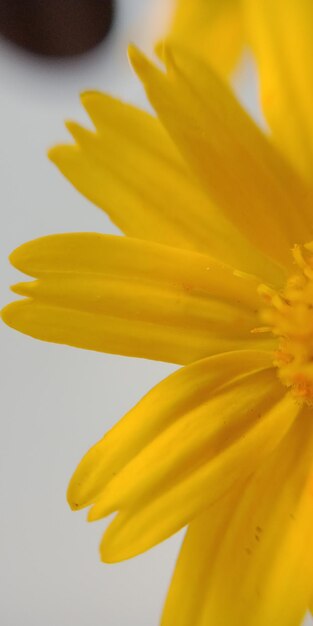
<point x="212" y="28"/>
<point x="216" y="273"/>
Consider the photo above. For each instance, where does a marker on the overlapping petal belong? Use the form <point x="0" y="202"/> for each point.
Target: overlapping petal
<point x="132" y="169"/>
<point x="281" y="36"/>
<point x="236" y="164"/>
<point x="182" y="447"/>
<point x="249" y="558"/>
<point x="126" y="296"/>
<point x="212" y="28"/>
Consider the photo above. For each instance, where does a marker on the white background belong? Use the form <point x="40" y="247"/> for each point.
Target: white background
<point x="57" y="401"/>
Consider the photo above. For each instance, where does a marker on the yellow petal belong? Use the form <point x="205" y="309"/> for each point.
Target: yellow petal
<point x="125" y="296"/>
<point x="281" y="36"/>
<point x="135" y="530"/>
<point x="212" y="423"/>
<point x="127" y="168"/>
<point x="249" y="559"/>
<point x="131" y="169"/>
<point x="240" y="170"/>
<point x="184" y="392"/>
<point x="194" y="440"/>
<point x="213" y="28"/>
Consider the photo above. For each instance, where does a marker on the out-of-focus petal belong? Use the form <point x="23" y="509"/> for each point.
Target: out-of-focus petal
<point x="132" y="170"/>
<point x="281" y="34"/>
<point x="212" y="28"/>
<point x="244" y="175"/>
<point x="249" y="558"/>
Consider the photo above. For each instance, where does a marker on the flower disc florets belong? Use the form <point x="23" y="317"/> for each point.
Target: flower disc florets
<point x="289" y="316"/>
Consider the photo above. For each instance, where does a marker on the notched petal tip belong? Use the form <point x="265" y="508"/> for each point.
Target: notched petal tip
<point x="10" y="314"/>
<point x="58" y="153"/>
<point x="120" y="543"/>
<point x="75" y="506"/>
<point x="4" y="314"/>
<point x="23" y="289"/>
<point x="135" y="55"/>
<point x="159" y="49"/>
<point x="110" y="552"/>
<point x="105" y="553"/>
<point x="102" y="508"/>
<point x="90" y="101"/>
<point x="140" y="63"/>
<point x="92" y="515"/>
<point x="64" y="157"/>
<point x="107" y="557"/>
<point x="71" y="498"/>
<point x="55" y="153"/>
<point x="89" y="94"/>
<point x="168" y="55"/>
<point x="102" y="109"/>
<point x="74" y="129"/>
<point x="16" y="257"/>
<point x="26" y="258"/>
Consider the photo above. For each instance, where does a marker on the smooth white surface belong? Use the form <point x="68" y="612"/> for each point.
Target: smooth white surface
<point x="57" y="401"/>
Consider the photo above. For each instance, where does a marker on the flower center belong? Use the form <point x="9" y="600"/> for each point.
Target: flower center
<point x="289" y="316"/>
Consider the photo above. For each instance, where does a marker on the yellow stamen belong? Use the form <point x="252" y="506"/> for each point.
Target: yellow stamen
<point x="289" y="316"/>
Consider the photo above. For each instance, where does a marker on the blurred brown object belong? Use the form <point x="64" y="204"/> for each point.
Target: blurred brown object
<point x="59" y="28"/>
